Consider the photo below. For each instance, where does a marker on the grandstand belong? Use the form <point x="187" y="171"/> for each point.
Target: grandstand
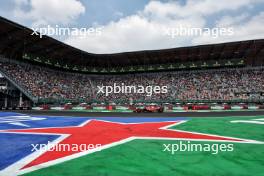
<point x="45" y="71"/>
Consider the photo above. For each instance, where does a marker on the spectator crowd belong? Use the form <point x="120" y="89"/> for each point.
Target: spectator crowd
<point x="214" y="84"/>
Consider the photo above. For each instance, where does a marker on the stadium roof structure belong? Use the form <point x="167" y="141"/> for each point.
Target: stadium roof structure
<point x="16" y="40"/>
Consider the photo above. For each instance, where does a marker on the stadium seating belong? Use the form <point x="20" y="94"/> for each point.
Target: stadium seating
<point x="215" y="84"/>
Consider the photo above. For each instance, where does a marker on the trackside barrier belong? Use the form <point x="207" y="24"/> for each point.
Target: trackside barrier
<point x="45" y="107"/>
<point x="110" y="107"/>
<point x="167" y="108"/>
<point x="201" y="107"/>
<point x="67" y="106"/>
<point x="99" y="108"/>
<point x="239" y="107"/>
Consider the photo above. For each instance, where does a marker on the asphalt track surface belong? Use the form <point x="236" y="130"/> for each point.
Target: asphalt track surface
<point x="121" y="114"/>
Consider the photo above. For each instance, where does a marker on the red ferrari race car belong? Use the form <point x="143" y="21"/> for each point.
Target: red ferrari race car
<point x="149" y="108"/>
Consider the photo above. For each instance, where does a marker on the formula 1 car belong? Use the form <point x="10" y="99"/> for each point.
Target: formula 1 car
<point x="149" y="108"/>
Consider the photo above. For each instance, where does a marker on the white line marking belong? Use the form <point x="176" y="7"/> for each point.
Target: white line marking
<point x="247" y="121"/>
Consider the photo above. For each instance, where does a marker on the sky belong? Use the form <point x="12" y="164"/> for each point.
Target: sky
<point x="114" y="26"/>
